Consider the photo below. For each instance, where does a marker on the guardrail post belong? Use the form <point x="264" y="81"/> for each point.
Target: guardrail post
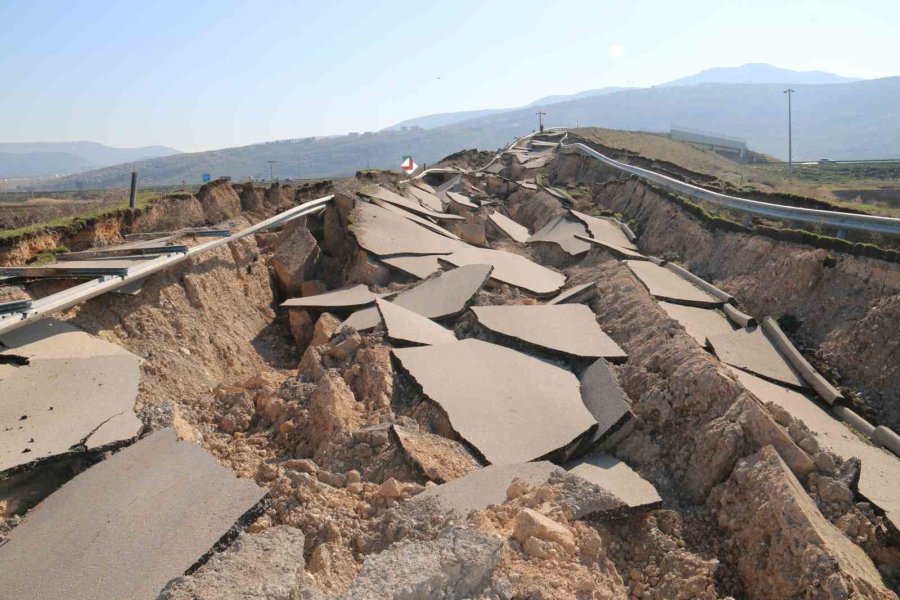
<point x="132" y="199"/>
<point x="841" y="234"/>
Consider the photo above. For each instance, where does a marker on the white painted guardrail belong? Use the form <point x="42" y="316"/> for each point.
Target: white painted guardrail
<point x="829" y="218"/>
<point x="73" y="296"/>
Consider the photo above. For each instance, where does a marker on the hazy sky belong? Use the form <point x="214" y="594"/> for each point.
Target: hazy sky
<point x="197" y="74"/>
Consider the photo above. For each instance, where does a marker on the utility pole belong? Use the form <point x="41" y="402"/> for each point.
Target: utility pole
<point x="541" y="120"/>
<point x="271" y="176"/>
<point x="789" y="91"/>
<point x="132" y="197"/>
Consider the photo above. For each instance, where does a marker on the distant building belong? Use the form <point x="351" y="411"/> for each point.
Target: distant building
<point x="731" y="147"/>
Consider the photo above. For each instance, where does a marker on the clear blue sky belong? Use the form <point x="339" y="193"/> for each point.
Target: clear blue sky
<point x="196" y="74"/>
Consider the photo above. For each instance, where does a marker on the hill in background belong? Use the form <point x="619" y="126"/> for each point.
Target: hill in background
<point x="41" y="159"/>
<point x="855" y="120"/>
<point x="760" y="73"/>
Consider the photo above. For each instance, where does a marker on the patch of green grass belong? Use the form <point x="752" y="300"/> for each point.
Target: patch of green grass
<point x="75" y="223"/>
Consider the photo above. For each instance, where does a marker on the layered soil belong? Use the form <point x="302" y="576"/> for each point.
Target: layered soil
<point x="312" y="416"/>
<point x="843" y="311"/>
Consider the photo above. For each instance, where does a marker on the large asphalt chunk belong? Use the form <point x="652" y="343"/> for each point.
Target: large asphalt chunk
<point x="750" y="349"/>
<point x="511" y="268"/>
<point x="413" y="206"/>
<point x="562" y="231"/>
<point x="443" y="296"/>
<point x="666" y="285"/>
<point x="511" y="407"/>
<point x="73" y="392"/>
<point x="616" y="477"/>
<point x="446" y="295"/>
<point x="405" y="326"/>
<point x="384" y="233"/>
<point x="343" y="299"/>
<point x="606" y="230"/>
<point x="699" y="323"/>
<point x="605" y="400"/>
<point x="125" y="527"/>
<point x="570" y="329"/>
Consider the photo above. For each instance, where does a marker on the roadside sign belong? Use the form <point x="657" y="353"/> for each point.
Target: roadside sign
<point x="408" y="165"/>
<point x="206" y="178"/>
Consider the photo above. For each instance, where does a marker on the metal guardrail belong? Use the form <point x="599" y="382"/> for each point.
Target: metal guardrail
<point x="838" y="220"/>
<point x="73" y="296"/>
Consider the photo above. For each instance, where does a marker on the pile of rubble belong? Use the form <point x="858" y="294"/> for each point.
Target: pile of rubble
<point x="496" y="396"/>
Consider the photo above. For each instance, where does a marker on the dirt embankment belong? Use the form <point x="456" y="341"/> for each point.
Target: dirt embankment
<point x="215" y="202"/>
<point x="844" y="309"/>
<point x="317" y="430"/>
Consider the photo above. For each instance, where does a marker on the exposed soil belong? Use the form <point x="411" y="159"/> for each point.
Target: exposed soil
<point x="845" y="310"/>
<point x="314" y="422"/>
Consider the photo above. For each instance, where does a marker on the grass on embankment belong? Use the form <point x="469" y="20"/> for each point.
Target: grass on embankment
<point x="810" y="180"/>
<point x="76" y="222"/>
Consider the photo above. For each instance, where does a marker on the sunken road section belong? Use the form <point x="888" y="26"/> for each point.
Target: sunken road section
<point x="467" y="419"/>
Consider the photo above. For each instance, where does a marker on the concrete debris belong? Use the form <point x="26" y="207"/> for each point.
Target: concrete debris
<point x="263" y="566"/>
<point x="484" y="487"/>
<point x="472" y="233"/>
<point x="616" y="251"/>
<point x="296" y="257"/>
<point x="384" y="233"/>
<point x="440" y="459"/>
<point x="363" y="320"/>
<point x="512" y="229"/>
<point x="462" y="200"/>
<point x="405" y="326"/>
<point x="76" y="392"/>
<point x="699" y="323"/>
<point x="446" y="295"/>
<point x="415" y="218"/>
<point x="111" y="534"/>
<point x="751" y="350"/>
<point x="666" y="285"/>
<point x="880" y="471"/>
<point x="605" y="229"/>
<point x="618" y="478"/>
<point x="343" y="299"/>
<point x="426" y="199"/>
<point x="577" y="293"/>
<point x="562" y="231"/>
<point x="607" y="403"/>
<point x="509" y="406"/>
<point x="510" y="268"/>
<point x="405" y="203"/>
<point x="569" y="329"/>
<point x="458" y="564"/>
<point x="422" y="185"/>
<point x="422" y="267"/>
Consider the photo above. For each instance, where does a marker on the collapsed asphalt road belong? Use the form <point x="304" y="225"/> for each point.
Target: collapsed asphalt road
<point x="476" y="413"/>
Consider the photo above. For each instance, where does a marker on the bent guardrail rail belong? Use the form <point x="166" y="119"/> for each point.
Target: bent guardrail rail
<point x="828" y="218"/>
<point x="75" y="295"/>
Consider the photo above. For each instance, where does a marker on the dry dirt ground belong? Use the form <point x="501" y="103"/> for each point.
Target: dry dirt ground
<point x="309" y="414"/>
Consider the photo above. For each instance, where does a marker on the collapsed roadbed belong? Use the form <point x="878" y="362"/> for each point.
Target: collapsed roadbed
<point x="434" y="404"/>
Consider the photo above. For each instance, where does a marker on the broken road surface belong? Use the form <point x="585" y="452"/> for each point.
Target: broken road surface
<point x="128" y="525"/>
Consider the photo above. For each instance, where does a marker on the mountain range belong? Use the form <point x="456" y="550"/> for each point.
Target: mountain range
<point x="42" y="159"/>
<point x="834" y="119"/>
<point x="759" y="73"/>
